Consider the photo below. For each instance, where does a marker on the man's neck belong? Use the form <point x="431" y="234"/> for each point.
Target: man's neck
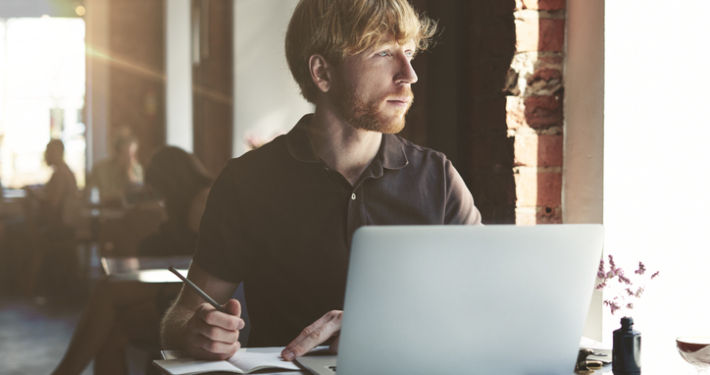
<point x="342" y="147"/>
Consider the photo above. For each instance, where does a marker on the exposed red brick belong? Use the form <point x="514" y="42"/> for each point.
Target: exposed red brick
<point x="548" y="215"/>
<point x="538" y="150"/>
<point x="549" y="189"/>
<point x="543" y="111"/>
<point x="545" y="75"/>
<point x="540" y="34"/>
<point x="554" y="60"/>
<point x="552" y="35"/>
<point x="540" y="4"/>
<point x="544" y="81"/>
<point x="538" y="189"/>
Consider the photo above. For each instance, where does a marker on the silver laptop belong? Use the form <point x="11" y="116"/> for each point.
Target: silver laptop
<point x="502" y="300"/>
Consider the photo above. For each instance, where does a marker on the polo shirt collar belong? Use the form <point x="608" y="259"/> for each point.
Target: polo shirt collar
<point x="391" y="154"/>
<point x="299" y="142"/>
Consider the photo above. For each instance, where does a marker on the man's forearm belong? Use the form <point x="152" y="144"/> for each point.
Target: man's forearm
<point x="173" y="326"/>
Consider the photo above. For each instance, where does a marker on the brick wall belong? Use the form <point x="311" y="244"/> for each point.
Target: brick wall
<point x="534" y="110"/>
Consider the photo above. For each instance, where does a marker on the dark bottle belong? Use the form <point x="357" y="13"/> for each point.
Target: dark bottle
<point x="626" y="355"/>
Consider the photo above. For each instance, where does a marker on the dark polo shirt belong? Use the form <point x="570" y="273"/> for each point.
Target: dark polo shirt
<point x="281" y="221"/>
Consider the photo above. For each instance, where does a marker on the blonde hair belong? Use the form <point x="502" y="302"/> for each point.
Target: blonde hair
<point x="337" y="28"/>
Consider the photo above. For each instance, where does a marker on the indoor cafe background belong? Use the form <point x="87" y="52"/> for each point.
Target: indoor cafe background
<point x="553" y="111"/>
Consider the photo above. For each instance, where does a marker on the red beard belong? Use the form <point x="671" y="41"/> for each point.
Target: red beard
<point x="369" y="115"/>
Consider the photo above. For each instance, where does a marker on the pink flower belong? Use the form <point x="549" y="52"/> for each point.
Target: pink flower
<point x="623" y="296"/>
<point x="641" y="270"/>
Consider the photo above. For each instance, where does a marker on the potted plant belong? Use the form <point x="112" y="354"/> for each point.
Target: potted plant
<point x="622" y="291"/>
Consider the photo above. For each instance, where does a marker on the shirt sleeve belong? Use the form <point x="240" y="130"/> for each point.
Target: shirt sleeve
<point x="460" y="208"/>
<point x="222" y="250"/>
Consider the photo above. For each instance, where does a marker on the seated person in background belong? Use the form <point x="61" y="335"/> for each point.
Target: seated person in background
<point x="121" y="312"/>
<point x="115" y="176"/>
<point x="60" y="187"/>
<point x="281" y="218"/>
<point x="184" y="184"/>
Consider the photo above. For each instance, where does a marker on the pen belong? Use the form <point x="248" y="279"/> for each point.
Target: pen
<point x="198" y="290"/>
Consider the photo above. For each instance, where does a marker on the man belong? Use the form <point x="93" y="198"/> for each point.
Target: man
<point x="60" y="188"/>
<point x="119" y="174"/>
<point x="281" y="218"/>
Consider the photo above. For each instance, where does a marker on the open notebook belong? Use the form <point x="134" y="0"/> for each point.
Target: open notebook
<point x="245" y="361"/>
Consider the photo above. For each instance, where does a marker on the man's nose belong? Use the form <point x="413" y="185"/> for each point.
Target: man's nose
<point x="406" y="72"/>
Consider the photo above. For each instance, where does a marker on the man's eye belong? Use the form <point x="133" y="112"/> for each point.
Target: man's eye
<point x="383" y="54"/>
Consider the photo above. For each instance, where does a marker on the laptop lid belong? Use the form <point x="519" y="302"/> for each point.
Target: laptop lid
<point x="467" y="299"/>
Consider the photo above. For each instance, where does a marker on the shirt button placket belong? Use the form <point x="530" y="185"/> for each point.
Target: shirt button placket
<point x="353" y="213"/>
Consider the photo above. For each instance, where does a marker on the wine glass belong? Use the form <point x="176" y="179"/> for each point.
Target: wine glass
<point x="696" y="351"/>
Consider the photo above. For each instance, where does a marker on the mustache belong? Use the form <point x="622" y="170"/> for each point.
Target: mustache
<point x="405" y="93"/>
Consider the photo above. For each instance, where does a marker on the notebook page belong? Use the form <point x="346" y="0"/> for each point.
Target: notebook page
<point x="252" y="359"/>
<point x="194" y="366"/>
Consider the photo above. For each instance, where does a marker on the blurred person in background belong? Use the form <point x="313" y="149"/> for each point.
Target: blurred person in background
<point x="60" y="187"/>
<point x="121" y="312"/>
<point x="119" y="174"/>
<point x="42" y="239"/>
<point x="184" y="184"/>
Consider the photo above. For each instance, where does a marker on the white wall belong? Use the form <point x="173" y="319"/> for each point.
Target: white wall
<point x="178" y="64"/>
<point x="655" y="165"/>
<point x="267" y="99"/>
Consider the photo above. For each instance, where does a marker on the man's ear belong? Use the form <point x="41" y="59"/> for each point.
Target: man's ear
<point x="320" y="72"/>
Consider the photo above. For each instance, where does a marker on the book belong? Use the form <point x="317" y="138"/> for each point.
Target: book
<point x="245" y="361"/>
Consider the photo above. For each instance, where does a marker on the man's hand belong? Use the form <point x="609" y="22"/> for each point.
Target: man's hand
<point x="212" y="334"/>
<point x="315" y="334"/>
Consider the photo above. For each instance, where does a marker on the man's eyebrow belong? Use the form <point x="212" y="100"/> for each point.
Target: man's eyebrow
<point x="388" y="45"/>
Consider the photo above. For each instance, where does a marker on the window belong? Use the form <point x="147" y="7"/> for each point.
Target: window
<point x="655" y="166"/>
<point x="42" y="85"/>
